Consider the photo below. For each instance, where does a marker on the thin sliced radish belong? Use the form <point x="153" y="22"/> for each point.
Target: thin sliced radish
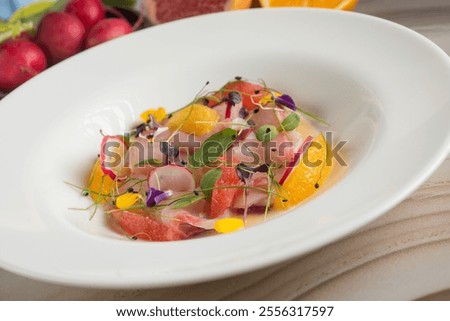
<point x="296" y="159"/>
<point x="254" y="198"/>
<point x="172" y="177"/>
<point x="227" y="110"/>
<point x="112" y="154"/>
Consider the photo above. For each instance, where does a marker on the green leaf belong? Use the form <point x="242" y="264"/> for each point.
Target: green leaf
<point x="31" y="10"/>
<point x="126" y="4"/>
<point x="186" y="201"/>
<point x="209" y="180"/>
<point x="10" y="30"/>
<point x="151" y="162"/>
<point x="59" y="5"/>
<point x="213" y="147"/>
<point x="290" y="122"/>
<point x="34" y="12"/>
<point x="266" y="133"/>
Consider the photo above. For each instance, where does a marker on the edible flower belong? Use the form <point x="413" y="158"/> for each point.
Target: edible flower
<point x="286" y="101"/>
<point x="158" y="114"/>
<point x="127" y="200"/>
<point x="269" y="98"/>
<point x="228" y="225"/>
<point x="155" y="196"/>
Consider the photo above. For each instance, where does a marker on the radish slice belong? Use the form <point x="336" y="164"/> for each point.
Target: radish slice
<point x="296" y="160"/>
<point x="172" y="177"/>
<point x="112" y="152"/>
<point x="254" y="197"/>
<point x="227" y="110"/>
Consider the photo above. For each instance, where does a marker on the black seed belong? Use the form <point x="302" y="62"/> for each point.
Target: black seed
<point x="205" y="101"/>
<point x="233" y="137"/>
<point x="243" y="113"/>
<point x="207" y="83"/>
<point x="317" y="185"/>
<point x="130" y="190"/>
<point x="134" y="238"/>
<point x="267" y="130"/>
<point x="257" y="92"/>
<point x="114" y="203"/>
<point x="238" y="78"/>
<point x="169" y="116"/>
<point x="285" y="200"/>
<point x="146" y="193"/>
<point x="256" y="111"/>
<point x="196" y="193"/>
<point x="98" y="155"/>
<point x="85" y="193"/>
<point x="273" y="149"/>
<point x="183" y="162"/>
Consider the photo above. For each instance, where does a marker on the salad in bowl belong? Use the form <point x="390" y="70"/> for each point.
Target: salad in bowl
<point x="226" y="160"/>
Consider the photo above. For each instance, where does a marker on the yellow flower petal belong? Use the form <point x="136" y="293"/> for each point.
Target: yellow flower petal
<point x="159" y="114"/>
<point x="127" y="200"/>
<point x="269" y="98"/>
<point x="228" y="225"/>
<point x="266" y="99"/>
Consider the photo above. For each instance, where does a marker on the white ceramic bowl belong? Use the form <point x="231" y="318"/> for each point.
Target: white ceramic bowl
<point x="383" y="87"/>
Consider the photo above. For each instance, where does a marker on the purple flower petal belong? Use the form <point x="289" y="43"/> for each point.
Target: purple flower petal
<point x="287" y="101"/>
<point x="155" y="196"/>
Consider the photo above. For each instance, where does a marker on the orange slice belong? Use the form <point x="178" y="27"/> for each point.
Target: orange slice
<point x="304" y="180"/>
<point x="331" y="4"/>
<point x="99" y="184"/>
<point x="195" y="119"/>
<point x="241" y="4"/>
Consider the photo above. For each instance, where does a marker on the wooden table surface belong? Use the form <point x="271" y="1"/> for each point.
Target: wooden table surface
<point x="403" y="255"/>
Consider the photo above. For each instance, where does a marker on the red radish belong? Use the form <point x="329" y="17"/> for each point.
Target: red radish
<point x="25" y="35"/>
<point x="61" y="35"/>
<point x="106" y="30"/>
<point x="227" y="110"/>
<point x="222" y="198"/>
<point x="112" y="152"/>
<point x="296" y="159"/>
<point x="88" y="11"/>
<point x="160" y="11"/>
<point x="20" y="59"/>
<point x="172" y="177"/>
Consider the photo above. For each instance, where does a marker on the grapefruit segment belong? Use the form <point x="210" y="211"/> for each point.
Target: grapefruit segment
<point x="146" y="228"/>
<point x="161" y="11"/>
<point x="222" y="197"/>
<point x="251" y="93"/>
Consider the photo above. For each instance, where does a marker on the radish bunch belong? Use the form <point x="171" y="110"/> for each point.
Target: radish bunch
<point x="59" y="35"/>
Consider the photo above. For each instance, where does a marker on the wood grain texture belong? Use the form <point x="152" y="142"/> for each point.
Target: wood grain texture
<point x="403" y="255"/>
